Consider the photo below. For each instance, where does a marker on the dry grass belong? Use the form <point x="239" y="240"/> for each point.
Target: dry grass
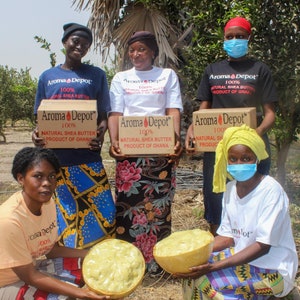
<point x="187" y="210"/>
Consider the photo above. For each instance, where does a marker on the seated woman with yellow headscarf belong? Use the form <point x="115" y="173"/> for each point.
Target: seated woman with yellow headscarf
<point x="254" y="254"/>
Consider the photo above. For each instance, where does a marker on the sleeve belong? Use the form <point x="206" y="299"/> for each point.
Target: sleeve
<point x="267" y="86"/>
<point x="225" y="226"/>
<point x="173" y="92"/>
<point x="13" y="246"/>
<point x="40" y="95"/>
<point x="273" y="216"/>
<point x="117" y="95"/>
<point x="204" y="91"/>
<point x="103" y="99"/>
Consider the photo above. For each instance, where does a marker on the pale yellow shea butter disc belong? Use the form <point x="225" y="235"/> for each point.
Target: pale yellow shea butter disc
<point x="113" y="267"/>
<point x="183" y="249"/>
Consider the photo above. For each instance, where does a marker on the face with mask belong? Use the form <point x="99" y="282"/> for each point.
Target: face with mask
<point x="236" y="42"/>
<point x="242" y="162"/>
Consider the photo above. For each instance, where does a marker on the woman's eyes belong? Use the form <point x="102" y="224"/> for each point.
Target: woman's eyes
<point x="50" y="177"/>
<point x="138" y="50"/>
<point x="244" y="159"/>
<point x="238" y="36"/>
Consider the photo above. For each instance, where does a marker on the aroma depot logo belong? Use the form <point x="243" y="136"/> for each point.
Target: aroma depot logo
<point x="73" y="115"/>
<point x="220" y="119"/>
<point x="146" y="122"/>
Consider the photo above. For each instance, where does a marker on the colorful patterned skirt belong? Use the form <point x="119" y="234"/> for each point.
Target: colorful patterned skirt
<point x="240" y="282"/>
<point x="145" y="189"/>
<point x="64" y="269"/>
<point x="85" y="206"/>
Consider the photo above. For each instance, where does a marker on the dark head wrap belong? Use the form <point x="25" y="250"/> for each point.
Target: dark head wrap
<point x="146" y="38"/>
<point x="81" y="31"/>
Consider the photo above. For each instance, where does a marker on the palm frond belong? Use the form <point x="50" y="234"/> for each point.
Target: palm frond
<point x="141" y="18"/>
<point x="104" y="14"/>
<point x="110" y="27"/>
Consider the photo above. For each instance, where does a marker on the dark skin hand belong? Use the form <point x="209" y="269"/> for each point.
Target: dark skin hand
<point x="29" y="274"/>
<point x="243" y="257"/>
<point x="95" y="143"/>
<point x="115" y="151"/>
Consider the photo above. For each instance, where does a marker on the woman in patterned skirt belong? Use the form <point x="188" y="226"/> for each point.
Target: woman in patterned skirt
<point x="85" y="206"/>
<point x="145" y="186"/>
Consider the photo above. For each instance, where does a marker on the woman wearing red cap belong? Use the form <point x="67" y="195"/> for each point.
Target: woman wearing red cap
<point x="238" y="81"/>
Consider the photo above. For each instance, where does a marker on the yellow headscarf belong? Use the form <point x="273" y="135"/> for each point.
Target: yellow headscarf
<point x="242" y="135"/>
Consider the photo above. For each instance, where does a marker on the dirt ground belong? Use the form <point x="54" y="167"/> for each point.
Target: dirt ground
<point x="187" y="209"/>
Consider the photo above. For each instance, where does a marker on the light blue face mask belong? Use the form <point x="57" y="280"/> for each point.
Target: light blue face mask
<point x="236" y="48"/>
<point x="242" y="172"/>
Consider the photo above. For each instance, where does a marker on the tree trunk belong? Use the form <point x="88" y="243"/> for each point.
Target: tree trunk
<point x="281" y="160"/>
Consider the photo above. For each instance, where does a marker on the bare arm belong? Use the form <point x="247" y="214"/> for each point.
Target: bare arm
<point x="175" y="112"/>
<point x="269" y="119"/>
<point x="113" y="126"/>
<point x="222" y="242"/>
<point x="60" y="251"/>
<point x="245" y="256"/>
<point x="97" y="142"/>
<point x="190" y="132"/>
<point x="41" y="281"/>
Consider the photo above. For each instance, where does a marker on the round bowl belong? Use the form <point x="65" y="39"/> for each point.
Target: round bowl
<point x="183" y="249"/>
<point x="114" y="268"/>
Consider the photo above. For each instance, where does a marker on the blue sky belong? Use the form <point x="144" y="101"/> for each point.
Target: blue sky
<point x="21" y="20"/>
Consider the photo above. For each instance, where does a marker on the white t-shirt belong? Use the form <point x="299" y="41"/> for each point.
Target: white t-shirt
<point x="140" y="93"/>
<point x="262" y="216"/>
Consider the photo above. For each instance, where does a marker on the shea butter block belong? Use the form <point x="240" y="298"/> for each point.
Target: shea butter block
<point x="182" y="250"/>
<point x="113" y="267"/>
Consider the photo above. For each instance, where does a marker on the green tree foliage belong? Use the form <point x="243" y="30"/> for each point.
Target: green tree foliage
<point x="199" y="31"/>
<point x="17" y="96"/>
<point x="47" y="46"/>
<point x="275" y="40"/>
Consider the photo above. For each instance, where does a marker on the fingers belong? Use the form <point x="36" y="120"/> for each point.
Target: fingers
<point x="116" y="153"/>
<point x="37" y="141"/>
<point x="95" y="144"/>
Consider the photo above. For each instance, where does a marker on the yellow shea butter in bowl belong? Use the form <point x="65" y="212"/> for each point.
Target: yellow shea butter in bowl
<point x="183" y="249"/>
<point x="113" y="267"/>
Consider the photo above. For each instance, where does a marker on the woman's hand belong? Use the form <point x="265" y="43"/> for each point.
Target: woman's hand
<point x="175" y="157"/>
<point x="196" y="272"/>
<point x="37" y="141"/>
<point x="88" y="294"/>
<point x="96" y="144"/>
<point x="190" y="140"/>
<point x="115" y="151"/>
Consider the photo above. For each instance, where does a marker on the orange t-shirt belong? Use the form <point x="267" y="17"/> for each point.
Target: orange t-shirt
<point x="24" y="236"/>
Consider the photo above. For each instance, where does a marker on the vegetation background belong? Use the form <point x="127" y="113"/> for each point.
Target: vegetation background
<point x="187" y="209"/>
<point x="190" y="35"/>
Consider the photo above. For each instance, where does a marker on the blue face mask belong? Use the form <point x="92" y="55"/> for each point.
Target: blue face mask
<point x="242" y="172"/>
<point x="236" y="47"/>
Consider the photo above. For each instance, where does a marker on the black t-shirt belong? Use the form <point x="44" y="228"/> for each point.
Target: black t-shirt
<point x="230" y="84"/>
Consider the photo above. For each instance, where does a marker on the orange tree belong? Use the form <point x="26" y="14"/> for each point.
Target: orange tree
<point x="17" y="95"/>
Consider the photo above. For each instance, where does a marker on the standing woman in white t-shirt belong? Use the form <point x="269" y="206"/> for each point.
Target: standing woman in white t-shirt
<point x="254" y="252"/>
<point x="145" y="186"/>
